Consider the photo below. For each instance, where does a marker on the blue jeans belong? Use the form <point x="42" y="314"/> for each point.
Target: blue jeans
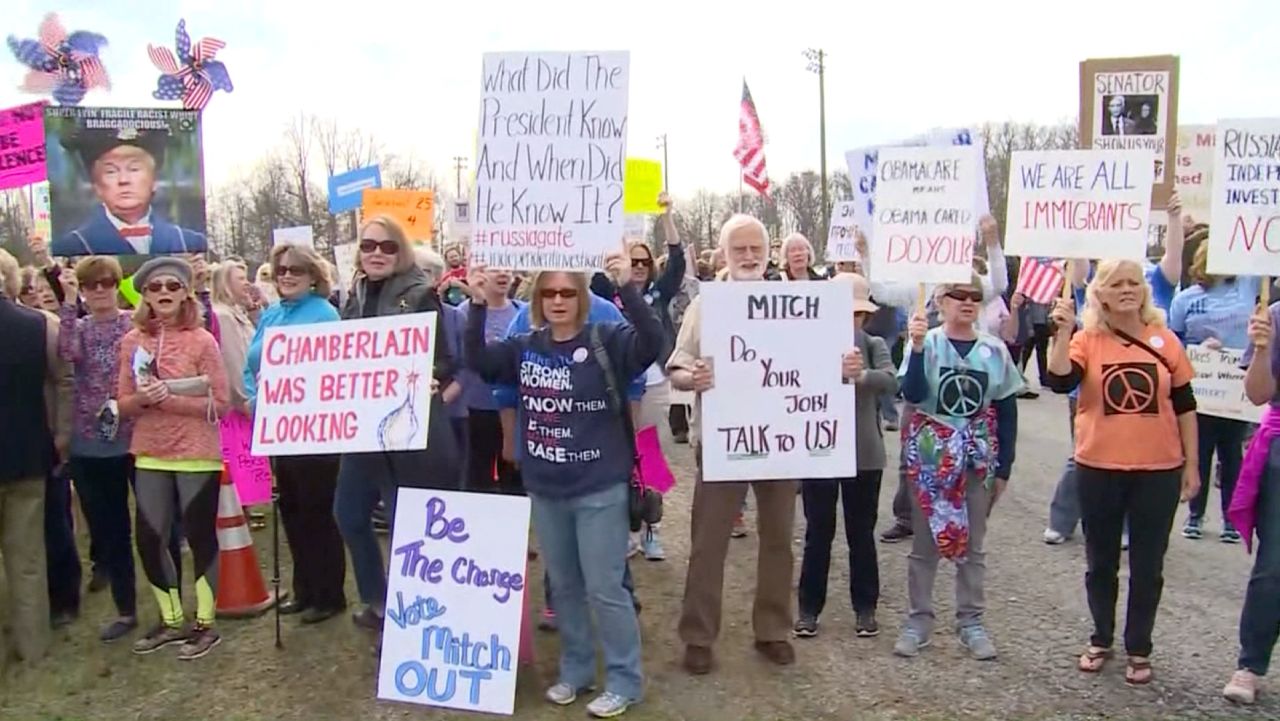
<point x="584" y="542"/>
<point x="363" y="480"/>
<point x="1260" y="619"/>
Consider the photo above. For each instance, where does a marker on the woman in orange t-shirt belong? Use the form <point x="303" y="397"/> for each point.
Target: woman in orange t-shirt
<point x="1135" y="448"/>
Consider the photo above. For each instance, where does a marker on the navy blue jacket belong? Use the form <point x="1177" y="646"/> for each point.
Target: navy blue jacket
<point x="97" y="236"/>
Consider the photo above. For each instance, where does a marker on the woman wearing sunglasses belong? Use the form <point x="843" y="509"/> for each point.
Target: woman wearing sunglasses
<point x="577" y="465"/>
<point x="389" y="282"/>
<point x="172" y="381"/>
<point x="958" y="446"/>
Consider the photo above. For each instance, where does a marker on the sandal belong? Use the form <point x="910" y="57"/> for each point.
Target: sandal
<point x="1093" y="659"/>
<point x="1138" y="672"/>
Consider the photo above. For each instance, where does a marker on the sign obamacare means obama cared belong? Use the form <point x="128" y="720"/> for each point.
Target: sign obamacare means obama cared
<point x="352" y="386"/>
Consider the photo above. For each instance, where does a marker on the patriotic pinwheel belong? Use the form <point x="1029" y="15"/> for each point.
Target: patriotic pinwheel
<point x="66" y="65"/>
<point x="194" y="74"/>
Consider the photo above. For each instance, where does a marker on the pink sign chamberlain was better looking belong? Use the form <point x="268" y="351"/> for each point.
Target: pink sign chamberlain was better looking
<point x="22" y="157"/>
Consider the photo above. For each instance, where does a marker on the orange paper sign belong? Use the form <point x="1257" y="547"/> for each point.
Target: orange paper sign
<point x="414" y="209"/>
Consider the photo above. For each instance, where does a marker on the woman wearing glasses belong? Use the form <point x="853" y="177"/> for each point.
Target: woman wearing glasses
<point x="958" y="446"/>
<point x="306" y="483"/>
<point x="173" y="383"/>
<point x="389" y="282"/>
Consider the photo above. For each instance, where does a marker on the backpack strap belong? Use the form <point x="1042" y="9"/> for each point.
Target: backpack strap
<point x="616" y="399"/>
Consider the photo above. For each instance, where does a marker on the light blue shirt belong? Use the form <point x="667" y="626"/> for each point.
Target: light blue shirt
<point x="1198" y="313"/>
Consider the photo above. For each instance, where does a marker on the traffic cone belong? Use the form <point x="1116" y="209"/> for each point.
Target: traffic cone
<point x="241" y="591"/>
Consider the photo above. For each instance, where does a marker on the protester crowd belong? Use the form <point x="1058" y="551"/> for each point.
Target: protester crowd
<point x="104" y="398"/>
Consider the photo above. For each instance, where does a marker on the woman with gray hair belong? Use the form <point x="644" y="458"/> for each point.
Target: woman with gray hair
<point x="798" y="259"/>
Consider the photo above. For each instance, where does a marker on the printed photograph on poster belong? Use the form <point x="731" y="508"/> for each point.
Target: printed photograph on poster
<point x="779" y="407"/>
<point x="1244" y="235"/>
<point x="1157" y="231"/>
<point x="550" y="160"/>
<point x="925" y="226"/>
<point x="451" y="634"/>
<point x="1194" y="174"/>
<point x="1132" y="104"/>
<point x="125" y="181"/>
<point x="22" y="154"/>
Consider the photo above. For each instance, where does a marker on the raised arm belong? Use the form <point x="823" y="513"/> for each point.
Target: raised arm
<point x="494" y="362"/>
<point x="1174" y="241"/>
<point x="636" y="344"/>
<point x="673" y="275"/>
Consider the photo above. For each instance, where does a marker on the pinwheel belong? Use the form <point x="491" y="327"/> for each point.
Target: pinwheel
<point x="66" y="65"/>
<point x="194" y="74"/>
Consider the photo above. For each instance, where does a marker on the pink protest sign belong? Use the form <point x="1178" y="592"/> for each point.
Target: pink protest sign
<point x="250" y="473"/>
<point x="22" y="146"/>
<point x="653" y="465"/>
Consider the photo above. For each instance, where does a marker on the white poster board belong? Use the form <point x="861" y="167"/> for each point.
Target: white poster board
<point x="779" y="409"/>
<point x="455" y="599"/>
<point x="925" y="225"/>
<point x="1244" y="235"/>
<point x="297" y="235"/>
<point x="1079" y="203"/>
<point x="1194" y="175"/>
<point x="550" y="158"/>
<point x="842" y="239"/>
<point x="344" y="259"/>
<point x="352" y="386"/>
<point x="635" y="227"/>
<point x="1219" y="384"/>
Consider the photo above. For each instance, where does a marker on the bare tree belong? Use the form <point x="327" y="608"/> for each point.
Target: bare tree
<point x="298" y="152"/>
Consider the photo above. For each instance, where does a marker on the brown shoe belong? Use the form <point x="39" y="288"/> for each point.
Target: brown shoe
<point x="779" y="652"/>
<point x="697" y="660"/>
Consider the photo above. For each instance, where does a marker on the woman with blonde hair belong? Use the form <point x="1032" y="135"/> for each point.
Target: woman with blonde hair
<point x="1135" y="449"/>
<point x="172" y="381"/>
<point x="230" y="296"/>
<point x="264" y="283"/>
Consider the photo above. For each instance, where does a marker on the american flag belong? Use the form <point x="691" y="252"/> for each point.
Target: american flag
<point x="750" y="149"/>
<point x="1039" y="279"/>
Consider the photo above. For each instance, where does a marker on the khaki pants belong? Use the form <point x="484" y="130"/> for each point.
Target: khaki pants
<point x="22" y="549"/>
<point x="715" y="505"/>
<point x="922" y="565"/>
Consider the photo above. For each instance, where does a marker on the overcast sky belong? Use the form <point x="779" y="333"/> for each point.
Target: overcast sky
<point x="409" y="71"/>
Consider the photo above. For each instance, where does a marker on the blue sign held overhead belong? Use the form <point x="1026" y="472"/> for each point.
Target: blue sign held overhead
<point x="345" y="190"/>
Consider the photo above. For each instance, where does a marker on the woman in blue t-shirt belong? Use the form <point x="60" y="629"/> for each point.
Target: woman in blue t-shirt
<point x="1215" y="312"/>
<point x="577" y="463"/>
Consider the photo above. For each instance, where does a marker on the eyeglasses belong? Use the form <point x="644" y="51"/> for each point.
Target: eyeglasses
<point x="970" y="295"/>
<point x="102" y="284"/>
<point x="566" y="293"/>
<point x="156" y="286"/>
<point x="296" y="271"/>
<point x="641" y="263"/>
<point x="386" y="247"/>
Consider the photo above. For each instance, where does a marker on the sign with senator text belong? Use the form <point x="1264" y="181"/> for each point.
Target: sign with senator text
<point x="550" y="160"/>
<point x="1244" y="234"/>
<point x="455" y="600"/>
<point x="352" y="386"/>
<point x="1219" y="384"/>
<point x="1079" y="203"/>
<point x="779" y="409"/>
<point x="925" y="223"/>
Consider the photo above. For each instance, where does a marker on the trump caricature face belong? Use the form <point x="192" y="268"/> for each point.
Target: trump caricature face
<point x="124" y="179"/>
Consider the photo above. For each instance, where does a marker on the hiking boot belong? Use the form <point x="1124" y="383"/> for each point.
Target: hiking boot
<point x="1229" y="534"/>
<point x="159" y="637"/>
<point x="806" y="627"/>
<point x="609" y="705"/>
<point x="897" y="533"/>
<point x="1192" y="529"/>
<point x="117" y="629"/>
<point x="778" y="652"/>
<point x="866" y="626"/>
<point x="909" y="643"/>
<point x="978" y="641"/>
<point x="697" y="660"/>
<point x="203" y="639"/>
<point x="1242" y="688"/>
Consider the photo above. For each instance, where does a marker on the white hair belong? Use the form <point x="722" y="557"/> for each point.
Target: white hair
<point x="738" y="222"/>
<point x="798" y="239"/>
<point x="431" y="262"/>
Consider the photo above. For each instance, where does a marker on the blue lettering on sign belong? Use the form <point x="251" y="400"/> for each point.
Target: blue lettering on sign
<point x="440" y="526"/>
<point x="424" y="680"/>
<point x="490" y="655"/>
<point x="419" y="611"/>
<point x="466" y="573"/>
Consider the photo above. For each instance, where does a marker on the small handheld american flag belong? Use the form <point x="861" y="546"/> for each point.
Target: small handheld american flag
<point x="750" y="149"/>
<point x="1039" y="279"/>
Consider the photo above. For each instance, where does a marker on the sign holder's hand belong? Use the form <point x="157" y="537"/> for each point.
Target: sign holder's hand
<point x="917" y="327"/>
<point x="1260" y="331"/>
<point x="703" y="375"/>
<point x="851" y="365"/>
<point x="618" y="265"/>
<point x="70" y="286"/>
<point x="477" y="283"/>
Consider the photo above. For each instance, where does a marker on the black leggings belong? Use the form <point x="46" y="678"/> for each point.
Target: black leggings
<point x="485" y="435"/>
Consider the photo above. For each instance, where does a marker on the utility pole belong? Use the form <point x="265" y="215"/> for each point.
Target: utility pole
<point x="666" y="171"/>
<point x="817" y="64"/>
<point x="459" y="163"/>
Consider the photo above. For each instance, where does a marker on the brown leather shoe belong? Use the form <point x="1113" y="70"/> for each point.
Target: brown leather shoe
<point x="779" y="652"/>
<point x="697" y="660"/>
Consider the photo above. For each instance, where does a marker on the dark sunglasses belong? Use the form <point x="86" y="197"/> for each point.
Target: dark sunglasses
<point x="972" y="295"/>
<point x="156" y="286"/>
<point x="102" y="284"/>
<point x="641" y="263"/>
<point x="566" y="293"/>
<point x="296" y="271"/>
<point x="388" y="247"/>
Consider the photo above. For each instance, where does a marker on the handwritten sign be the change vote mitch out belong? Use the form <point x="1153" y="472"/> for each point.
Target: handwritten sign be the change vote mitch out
<point x="1079" y="203"/>
<point x="925" y="226"/>
<point x="353" y="386"/>
<point x="455" y="600"/>
<point x="550" y="160"/>
<point x="779" y="408"/>
<point x="1244" y="235"/>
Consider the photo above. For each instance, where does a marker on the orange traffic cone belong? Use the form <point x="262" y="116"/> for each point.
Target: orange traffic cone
<point x="241" y="590"/>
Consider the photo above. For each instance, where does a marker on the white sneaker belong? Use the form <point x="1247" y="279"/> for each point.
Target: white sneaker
<point x="609" y="705"/>
<point x="1053" y="538"/>
<point x="562" y="694"/>
<point x="1242" y="688"/>
<point x="633" y="544"/>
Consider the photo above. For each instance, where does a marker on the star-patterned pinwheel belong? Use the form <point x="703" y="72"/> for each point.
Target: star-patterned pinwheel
<point x="63" y="64"/>
<point x="194" y="74"/>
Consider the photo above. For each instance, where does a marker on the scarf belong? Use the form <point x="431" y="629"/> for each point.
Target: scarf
<point x="940" y="459"/>
<point x="1243" y="512"/>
